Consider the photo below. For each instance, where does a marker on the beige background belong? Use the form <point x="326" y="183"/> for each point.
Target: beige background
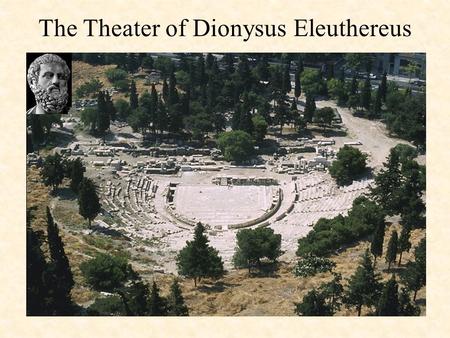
<point x="20" y="33"/>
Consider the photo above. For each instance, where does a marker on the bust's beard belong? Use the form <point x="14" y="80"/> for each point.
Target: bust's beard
<point x="50" y="101"/>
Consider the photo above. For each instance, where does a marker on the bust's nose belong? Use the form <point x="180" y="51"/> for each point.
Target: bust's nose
<point x="55" y="79"/>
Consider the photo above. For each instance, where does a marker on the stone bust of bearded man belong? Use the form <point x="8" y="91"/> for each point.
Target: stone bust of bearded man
<point x="47" y="77"/>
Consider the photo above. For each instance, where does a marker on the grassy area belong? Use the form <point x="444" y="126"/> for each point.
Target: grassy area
<point x="84" y="72"/>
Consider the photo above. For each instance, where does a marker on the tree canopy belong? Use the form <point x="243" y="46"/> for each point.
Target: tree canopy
<point x="350" y="164"/>
<point x="199" y="260"/>
<point x="255" y="244"/>
<point x="236" y="145"/>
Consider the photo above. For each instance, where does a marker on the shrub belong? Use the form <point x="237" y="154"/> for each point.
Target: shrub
<point x="311" y="265"/>
<point x="116" y="74"/>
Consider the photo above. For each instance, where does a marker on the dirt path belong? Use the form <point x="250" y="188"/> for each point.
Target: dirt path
<point x="372" y="134"/>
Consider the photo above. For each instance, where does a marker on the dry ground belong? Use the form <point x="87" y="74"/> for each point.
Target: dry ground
<point x="234" y="294"/>
<point x="84" y="72"/>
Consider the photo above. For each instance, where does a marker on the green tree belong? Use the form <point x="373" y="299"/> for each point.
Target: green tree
<point x="103" y="113"/>
<point x="281" y="113"/>
<point x="172" y="91"/>
<point x="77" y="170"/>
<point x="312" y="82"/>
<point x="88" y="201"/>
<point x="175" y="300"/>
<point x="147" y="62"/>
<point x="366" y="94"/>
<point x="59" y="275"/>
<point x="37" y="297"/>
<point x="391" y="253"/>
<point x="324" y="117"/>
<point x="383" y="87"/>
<point x="354" y="86"/>
<point x="403" y="242"/>
<point x="199" y="260"/>
<point x="89" y="118"/>
<point x="313" y="304"/>
<point x="157" y="304"/>
<point x="133" y="96"/>
<point x="405" y="306"/>
<point x="245" y="121"/>
<point x="388" y="304"/>
<point x="52" y="171"/>
<point x="260" y="128"/>
<point x="255" y="244"/>
<point x="236" y="145"/>
<point x="387" y="184"/>
<point x="376" y="111"/>
<point x="333" y="291"/>
<point x="411" y="204"/>
<point x="350" y="163"/>
<point x="376" y="245"/>
<point x="286" y="86"/>
<point x="122" y="108"/>
<point x="338" y="91"/>
<point x="310" y="108"/>
<point x="363" y="286"/>
<point x="135" y="296"/>
<point x="105" y="272"/>
<point x="414" y="276"/>
<point x="108" y="306"/>
<point x="37" y="131"/>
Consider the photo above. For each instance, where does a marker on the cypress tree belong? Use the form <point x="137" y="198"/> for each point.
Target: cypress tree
<point x="392" y="249"/>
<point x="377" y="104"/>
<point x="310" y="108"/>
<point x="37" y="291"/>
<point x="77" y="170"/>
<point x="59" y="276"/>
<point x="201" y="74"/>
<point x="173" y="93"/>
<point x="88" y="201"/>
<point x="300" y="66"/>
<point x="286" y="85"/>
<point x="376" y="246"/>
<point x="165" y="91"/>
<point x="133" y="96"/>
<point x="236" y="118"/>
<point x="298" y="88"/>
<point x="388" y="304"/>
<point x="403" y="242"/>
<point x="111" y="109"/>
<point x="363" y="285"/>
<point x="353" y="86"/>
<point x="157" y="304"/>
<point x="366" y="94"/>
<point x="176" y="305"/>
<point x="383" y="87"/>
<point x="103" y="117"/>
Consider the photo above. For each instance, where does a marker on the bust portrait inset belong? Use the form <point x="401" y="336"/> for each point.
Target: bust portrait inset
<point x="48" y="77"/>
